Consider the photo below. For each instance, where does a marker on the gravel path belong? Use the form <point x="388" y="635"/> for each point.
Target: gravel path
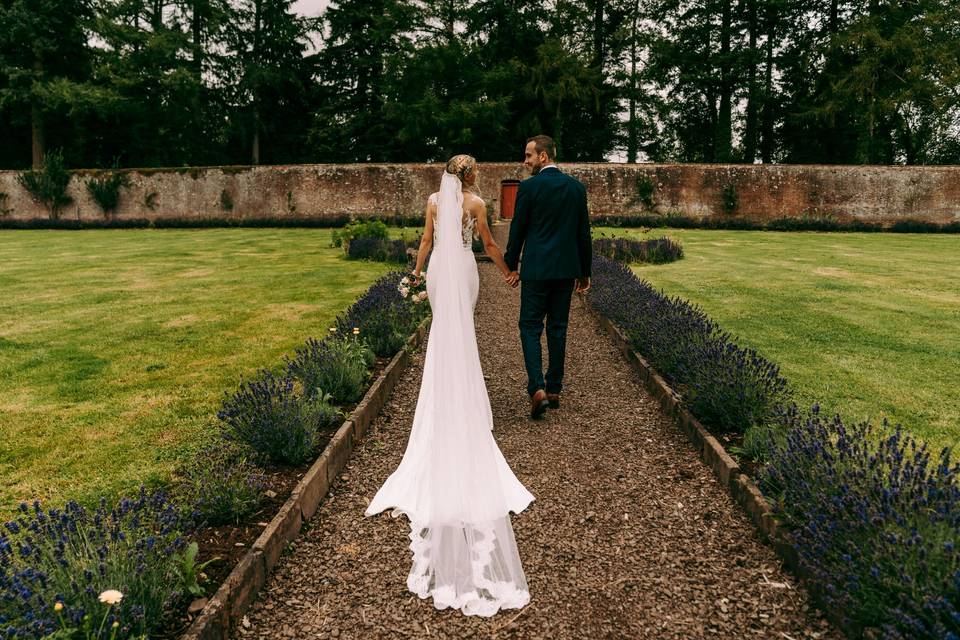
<point x="630" y="535"/>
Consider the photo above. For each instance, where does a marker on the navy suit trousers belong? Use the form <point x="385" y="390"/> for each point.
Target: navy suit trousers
<point x="539" y="300"/>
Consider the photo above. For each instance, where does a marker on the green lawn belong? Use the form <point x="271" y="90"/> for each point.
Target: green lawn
<point x="117" y="346"/>
<point x="868" y="324"/>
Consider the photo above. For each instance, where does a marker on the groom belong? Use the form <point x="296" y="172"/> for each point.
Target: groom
<point x="551" y="226"/>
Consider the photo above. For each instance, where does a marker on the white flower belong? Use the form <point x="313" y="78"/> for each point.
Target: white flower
<point x="416" y="299"/>
<point x="423" y="295"/>
<point x="111" y="596"/>
<point x="404" y="291"/>
<point x="405" y="281"/>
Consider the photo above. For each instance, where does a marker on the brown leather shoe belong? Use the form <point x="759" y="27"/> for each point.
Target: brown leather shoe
<point x="538" y="404"/>
<point x="554" y="400"/>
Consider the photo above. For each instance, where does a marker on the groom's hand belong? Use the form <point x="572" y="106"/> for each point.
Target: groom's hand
<point x="512" y="279"/>
<point x="583" y="284"/>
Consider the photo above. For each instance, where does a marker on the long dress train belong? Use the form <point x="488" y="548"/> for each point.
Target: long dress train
<point x="453" y="483"/>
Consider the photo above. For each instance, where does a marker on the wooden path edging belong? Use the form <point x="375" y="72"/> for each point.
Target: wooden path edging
<point x="228" y="605"/>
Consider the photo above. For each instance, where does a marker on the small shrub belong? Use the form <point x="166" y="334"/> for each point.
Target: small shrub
<point x="226" y="200"/>
<point x="338" y="366"/>
<point x="759" y="441"/>
<point x="360" y="229"/>
<point x="645" y="192"/>
<point x="279" y="424"/>
<point x="48" y="186"/>
<point x="874" y="520"/>
<point x="730" y="199"/>
<point x="71" y="556"/>
<point x="220" y="485"/>
<point x="105" y="190"/>
<point x="150" y="200"/>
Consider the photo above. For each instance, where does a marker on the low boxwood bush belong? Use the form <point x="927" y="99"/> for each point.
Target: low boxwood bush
<point x="271" y="416"/>
<point x="72" y="555"/>
<point x="653" y="250"/>
<point x="338" y="366"/>
<point x="875" y="521"/>
<point x="220" y="485"/>
<point x="727" y="387"/>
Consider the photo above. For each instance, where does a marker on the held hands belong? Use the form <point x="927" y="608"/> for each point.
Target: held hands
<point x="583" y="284"/>
<point x="512" y="279"/>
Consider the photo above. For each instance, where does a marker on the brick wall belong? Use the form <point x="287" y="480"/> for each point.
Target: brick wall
<point x="870" y="193"/>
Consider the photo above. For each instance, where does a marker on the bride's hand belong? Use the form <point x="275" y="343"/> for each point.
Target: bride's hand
<point x="417" y="277"/>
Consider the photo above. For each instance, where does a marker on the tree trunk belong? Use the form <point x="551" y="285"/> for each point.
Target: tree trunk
<point x="750" y="135"/>
<point x="255" y="89"/>
<point x="724" y="124"/>
<point x="156" y="17"/>
<point x="766" y="137"/>
<point x="632" y="124"/>
<point x="197" y="20"/>
<point x="38" y="147"/>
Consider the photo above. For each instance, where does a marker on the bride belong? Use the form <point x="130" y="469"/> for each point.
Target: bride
<point x="453" y="483"/>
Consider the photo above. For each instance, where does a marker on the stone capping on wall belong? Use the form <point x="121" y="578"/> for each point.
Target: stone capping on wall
<point x="232" y="600"/>
<point x="739" y="485"/>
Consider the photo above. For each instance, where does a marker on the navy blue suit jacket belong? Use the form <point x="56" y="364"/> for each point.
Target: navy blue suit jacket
<point x="551" y="226"/>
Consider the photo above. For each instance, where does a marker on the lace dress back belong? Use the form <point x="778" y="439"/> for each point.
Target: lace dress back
<point x="468" y="225"/>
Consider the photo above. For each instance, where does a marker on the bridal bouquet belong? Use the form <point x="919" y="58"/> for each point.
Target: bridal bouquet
<point x="413" y="288"/>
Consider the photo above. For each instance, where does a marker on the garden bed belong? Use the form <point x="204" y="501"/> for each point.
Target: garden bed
<point x="249" y="573"/>
<point x="866" y="516"/>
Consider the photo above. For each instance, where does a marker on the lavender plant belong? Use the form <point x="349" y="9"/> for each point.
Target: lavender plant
<point x="338" y="366"/>
<point x="71" y="556"/>
<point x="270" y="416"/>
<point x="653" y="250"/>
<point x="874" y="520"/>
<point x="383" y="317"/>
<point x="729" y="388"/>
<point x="220" y="485"/>
<point x="378" y="249"/>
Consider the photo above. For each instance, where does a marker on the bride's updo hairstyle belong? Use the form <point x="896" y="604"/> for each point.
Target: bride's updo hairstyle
<point x="461" y="165"/>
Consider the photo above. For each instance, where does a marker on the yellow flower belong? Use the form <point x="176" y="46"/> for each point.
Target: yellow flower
<point x="111" y="596"/>
<point x="116" y="625"/>
<point x="356" y="331"/>
<point x="58" y="606"/>
<point x="333" y="329"/>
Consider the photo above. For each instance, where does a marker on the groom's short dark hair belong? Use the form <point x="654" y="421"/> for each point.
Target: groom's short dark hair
<point x="544" y="143"/>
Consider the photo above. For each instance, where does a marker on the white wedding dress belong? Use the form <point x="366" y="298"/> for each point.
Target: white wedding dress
<point x="453" y="483"/>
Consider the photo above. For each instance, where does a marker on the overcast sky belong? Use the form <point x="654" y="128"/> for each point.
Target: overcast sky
<point x="310" y="7"/>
